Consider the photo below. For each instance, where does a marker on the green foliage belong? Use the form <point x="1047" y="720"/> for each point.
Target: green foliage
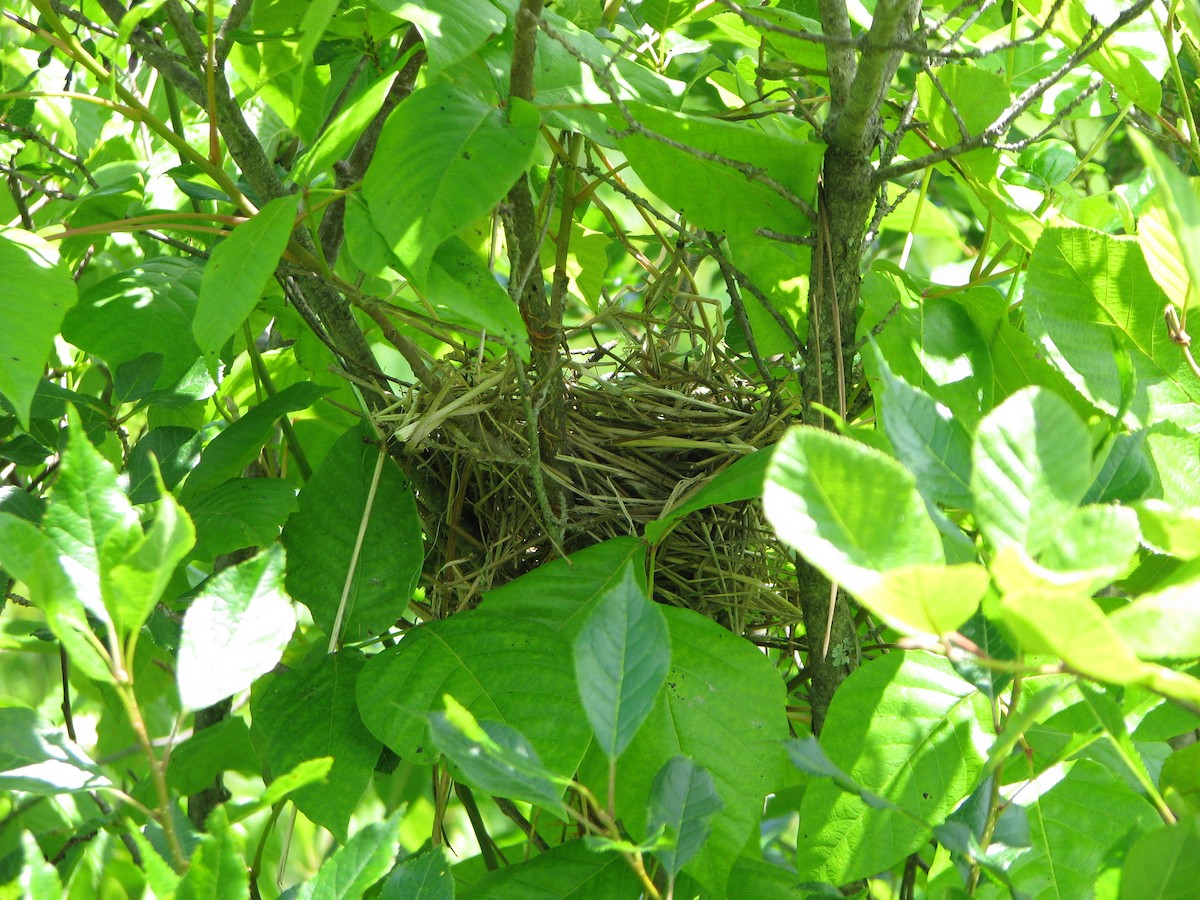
<point x="302" y="305"/>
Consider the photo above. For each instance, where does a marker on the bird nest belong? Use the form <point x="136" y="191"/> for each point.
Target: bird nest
<point x="644" y="430"/>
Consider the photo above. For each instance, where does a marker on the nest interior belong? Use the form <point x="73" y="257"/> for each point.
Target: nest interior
<point x="645" y="429"/>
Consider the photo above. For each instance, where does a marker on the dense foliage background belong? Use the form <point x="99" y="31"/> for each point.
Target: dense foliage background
<point x="603" y="450"/>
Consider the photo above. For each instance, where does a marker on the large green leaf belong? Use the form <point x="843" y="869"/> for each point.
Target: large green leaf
<point x="1169" y="529"/>
<point x="723" y="709"/>
<point x="1163" y="864"/>
<point x="501" y="668"/>
<point x="926" y="599"/>
<point x="622" y="656"/>
<point x="32" y="558"/>
<point x="355" y="867"/>
<point x="1087" y="292"/>
<point x="323" y="540"/>
<point x="90" y="521"/>
<point x="309" y="712"/>
<point x="1079" y="827"/>
<point x="135" y="584"/>
<point x="234" y="631"/>
<point x="978" y="97"/>
<point x="715" y="195"/>
<point x="238" y="270"/>
<point x="146" y="309"/>
<point x="37" y="294"/>
<point x="452" y="29"/>
<point x="1164" y="624"/>
<point x="426" y="184"/>
<point x="1032" y="467"/>
<point x="908" y="729"/>
<point x="1073" y="628"/>
<point x="570" y="871"/>
<point x="562" y="593"/>
<point x="851" y="511"/>
<point x="39" y="759"/>
<point x="931" y="342"/>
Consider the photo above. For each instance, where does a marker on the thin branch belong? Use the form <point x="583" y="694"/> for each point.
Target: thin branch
<point x="990" y="135"/>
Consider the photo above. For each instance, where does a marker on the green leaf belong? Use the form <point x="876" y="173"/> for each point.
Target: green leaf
<point x="39" y="759"/>
<point x="463" y="291"/>
<point x="569" y="871"/>
<point x="33" y="559"/>
<point x="931" y="443"/>
<point x="321" y="538"/>
<point x="352" y="869"/>
<point x="683" y="801"/>
<point x="309" y="712"/>
<point x="622" y="656"/>
<point x="1164" y="624"/>
<point x="238" y="270"/>
<point x="1032" y="468"/>
<point x="1095" y="541"/>
<point x="224" y="747"/>
<point x="1175" y="452"/>
<point x="978" y="96"/>
<point x="500" y="667"/>
<point x="1167" y="529"/>
<point x="136" y="584"/>
<point x="336" y="141"/>
<point x="216" y="870"/>
<point x="908" y="729"/>
<point x="38" y="292"/>
<point x="426" y="184"/>
<point x="851" y="511"/>
<point x="244" y="512"/>
<point x="1163" y="864"/>
<point x="561" y="594"/>
<point x="926" y="599"/>
<point x="1063" y="853"/>
<point x="717" y="196"/>
<point x="234" y="631"/>
<point x="422" y="877"/>
<point x="134" y="380"/>
<point x="723" y="709"/>
<point x="574" y="81"/>
<point x="39" y="879"/>
<point x="90" y="521"/>
<point x="494" y="758"/>
<point x="756" y="879"/>
<point x="741" y="480"/>
<point x="1083" y="292"/>
<point x="1073" y="628"/>
<point x="175" y="451"/>
<point x="228" y="454"/>
<point x="1180" y="776"/>
<point x="931" y="342"/>
<point x="148" y="308"/>
<point x="308" y="772"/>
<point x="452" y="29"/>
